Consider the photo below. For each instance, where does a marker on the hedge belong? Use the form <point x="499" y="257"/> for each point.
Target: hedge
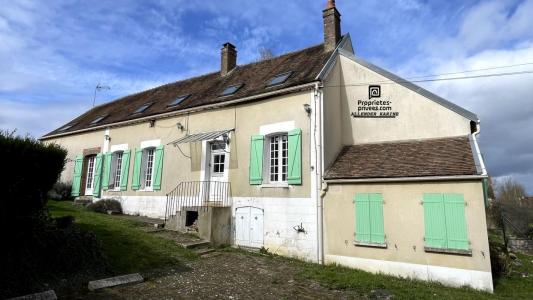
<point x="30" y="170"/>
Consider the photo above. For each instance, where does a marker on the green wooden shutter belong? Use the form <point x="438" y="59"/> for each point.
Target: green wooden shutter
<point x="125" y="170"/>
<point x="136" y="180"/>
<point x="377" y="230"/>
<point x="362" y="218"/>
<point x="294" y="172"/>
<point x="434" y="221"/>
<point x="76" y="179"/>
<point x="158" y="167"/>
<point x="456" y="233"/>
<point x="97" y="175"/>
<point x="107" y="171"/>
<point x="256" y="159"/>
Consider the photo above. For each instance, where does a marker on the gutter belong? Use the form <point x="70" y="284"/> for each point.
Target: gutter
<point x="406" y="179"/>
<point x="301" y="87"/>
<point x="477" y="151"/>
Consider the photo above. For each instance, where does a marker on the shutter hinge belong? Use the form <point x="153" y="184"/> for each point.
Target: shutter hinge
<point x="424" y="239"/>
<point x="466" y="203"/>
<point x="421" y="202"/>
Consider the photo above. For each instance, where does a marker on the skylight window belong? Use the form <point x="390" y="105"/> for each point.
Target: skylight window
<point x="66" y="127"/>
<point x="177" y="101"/>
<point x="142" y="108"/>
<point x="97" y="120"/>
<point x="279" y="79"/>
<point x="231" y="90"/>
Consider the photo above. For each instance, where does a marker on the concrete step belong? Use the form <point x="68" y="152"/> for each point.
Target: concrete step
<point x="203" y="251"/>
<point x="195" y="244"/>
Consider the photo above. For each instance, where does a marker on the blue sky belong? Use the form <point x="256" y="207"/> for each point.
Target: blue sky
<point x="53" y="53"/>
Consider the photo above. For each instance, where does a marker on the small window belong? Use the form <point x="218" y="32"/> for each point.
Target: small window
<point x="177" y="101"/>
<point x="231" y="90"/>
<point x="149" y="168"/>
<point x="98" y="119"/>
<point x="279" y="79"/>
<point x="142" y="108"/>
<point x="66" y="127"/>
<point x="277" y="158"/>
<point x="116" y="170"/>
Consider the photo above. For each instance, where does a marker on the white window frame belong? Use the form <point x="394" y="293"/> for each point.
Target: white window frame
<point x="115" y="149"/>
<point x="267" y="131"/>
<point x="282" y="141"/>
<point x="146" y="146"/>
<point x="149" y="166"/>
<point x="117" y="168"/>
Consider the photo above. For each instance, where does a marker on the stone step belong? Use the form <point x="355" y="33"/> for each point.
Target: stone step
<point x="195" y="244"/>
<point x="114" y="281"/>
<point x="48" y="295"/>
<point x="203" y="251"/>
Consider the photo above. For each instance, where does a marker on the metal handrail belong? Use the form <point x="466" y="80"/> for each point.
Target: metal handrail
<point x="197" y="195"/>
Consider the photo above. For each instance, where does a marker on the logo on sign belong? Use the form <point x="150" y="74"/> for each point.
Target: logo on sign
<point x="374" y="91"/>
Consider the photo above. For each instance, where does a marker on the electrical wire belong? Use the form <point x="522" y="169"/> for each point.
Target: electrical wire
<point x="435" y="79"/>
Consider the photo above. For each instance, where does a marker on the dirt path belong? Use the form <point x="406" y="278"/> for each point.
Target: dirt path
<point x="226" y="275"/>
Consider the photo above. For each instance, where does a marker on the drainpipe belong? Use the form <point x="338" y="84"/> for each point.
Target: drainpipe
<point x="478" y="152"/>
<point x="320" y="165"/>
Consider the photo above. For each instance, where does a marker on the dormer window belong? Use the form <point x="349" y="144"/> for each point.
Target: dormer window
<point x="177" y="101"/>
<point x="231" y="90"/>
<point x="142" y="108"/>
<point x="279" y="79"/>
<point x="98" y="119"/>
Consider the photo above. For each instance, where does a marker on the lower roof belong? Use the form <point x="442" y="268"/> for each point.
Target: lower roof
<point x="450" y="156"/>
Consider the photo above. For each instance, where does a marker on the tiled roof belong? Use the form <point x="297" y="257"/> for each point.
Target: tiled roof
<point x="450" y="156"/>
<point x="304" y="64"/>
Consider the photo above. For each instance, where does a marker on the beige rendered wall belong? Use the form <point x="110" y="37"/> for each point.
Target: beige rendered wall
<point x="245" y="118"/>
<point x="418" y="117"/>
<point x="332" y="110"/>
<point x="404" y="223"/>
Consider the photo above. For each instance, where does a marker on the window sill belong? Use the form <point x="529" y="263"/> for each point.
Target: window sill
<point x="275" y="185"/>
<point x="372" y="245"/>
<point x="146" y="190"/>
<point x="448" y="251"/>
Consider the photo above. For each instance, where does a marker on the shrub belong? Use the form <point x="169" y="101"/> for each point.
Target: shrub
<point x="60" y="191"/>
<point x="102" y="206"/>
<point x="500" y="261"/>
<point x="30" y="170"/>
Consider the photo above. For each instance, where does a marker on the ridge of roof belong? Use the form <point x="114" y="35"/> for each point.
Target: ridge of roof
<point x="415" y="88"/>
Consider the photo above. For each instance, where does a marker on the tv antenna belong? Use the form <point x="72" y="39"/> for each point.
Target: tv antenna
<point x="99" y="88"/>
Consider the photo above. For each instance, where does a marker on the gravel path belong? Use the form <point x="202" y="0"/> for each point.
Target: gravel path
<point x="226" y="275"/>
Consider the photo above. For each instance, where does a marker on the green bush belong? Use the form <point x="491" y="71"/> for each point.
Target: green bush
<point x="102" y="206"/>
<point x="60" y="191"/>
<point x="30" y="170"/>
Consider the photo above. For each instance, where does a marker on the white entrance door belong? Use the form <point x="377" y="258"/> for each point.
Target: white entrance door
<point x="249" y="227"/>
<point x="217" y="171"/>
<point x="90" y="176"/>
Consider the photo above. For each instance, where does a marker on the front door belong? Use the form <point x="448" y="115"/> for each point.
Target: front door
<point x="89" y="183"/>
<point x="217" y="171"/>
<point x="249" y="227"/>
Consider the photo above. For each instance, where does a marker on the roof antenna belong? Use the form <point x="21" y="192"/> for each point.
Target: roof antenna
<point x="99" y="87"/>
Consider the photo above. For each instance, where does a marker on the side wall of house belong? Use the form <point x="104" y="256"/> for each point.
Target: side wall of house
<point x="403" y="217"/>
<point x="418" y="117"/>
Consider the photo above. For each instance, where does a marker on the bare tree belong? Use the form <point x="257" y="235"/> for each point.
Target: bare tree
<point x="265" y="53"/>
<point x="509" y="191"/>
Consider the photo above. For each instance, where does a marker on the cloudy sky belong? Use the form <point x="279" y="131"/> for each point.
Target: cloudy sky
<point x="53" y="53"/>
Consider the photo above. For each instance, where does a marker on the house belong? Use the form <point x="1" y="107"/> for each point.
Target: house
<point x="315" y="154"/>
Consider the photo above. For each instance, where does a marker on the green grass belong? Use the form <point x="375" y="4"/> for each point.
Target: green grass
<point x="128" y="248"/>
<point x="513" y="286"/>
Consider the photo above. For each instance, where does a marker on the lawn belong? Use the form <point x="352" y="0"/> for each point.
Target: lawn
<point x="129" y="249"/>
<point x="127" y="246"/>
<point x="513" y="286"/>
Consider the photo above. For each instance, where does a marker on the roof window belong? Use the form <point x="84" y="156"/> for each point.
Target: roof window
<point x="142" y="108"/>
<point x="98" y="119"/>
<point x="279" y="79"/>
<point x="231" y="90"/>
<point x="66" y="127"/>
<point x="177" y="101"/>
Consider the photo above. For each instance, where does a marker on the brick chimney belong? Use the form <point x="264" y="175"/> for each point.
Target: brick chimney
<point x="228" y="58"/>
<point x="332" y="26"/>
